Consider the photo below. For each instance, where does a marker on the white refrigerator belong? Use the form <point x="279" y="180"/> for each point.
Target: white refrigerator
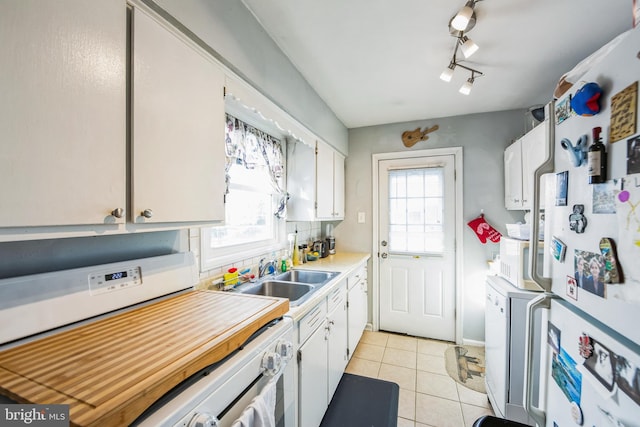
<point x="590" y="371"/>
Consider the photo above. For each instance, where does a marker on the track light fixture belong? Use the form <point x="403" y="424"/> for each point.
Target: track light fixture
<point x="459" y="24"/>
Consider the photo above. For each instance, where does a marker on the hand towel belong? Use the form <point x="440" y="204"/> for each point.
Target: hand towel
<point x="260" y="412"/>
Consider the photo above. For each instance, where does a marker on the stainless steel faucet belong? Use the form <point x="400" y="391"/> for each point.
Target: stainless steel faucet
<point x="262" y="267"/>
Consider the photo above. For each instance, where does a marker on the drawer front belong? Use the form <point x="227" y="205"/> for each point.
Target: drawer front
<point x="312" y="320"/>
<point x="337" y="297"/>
<point x="359" y="274"/>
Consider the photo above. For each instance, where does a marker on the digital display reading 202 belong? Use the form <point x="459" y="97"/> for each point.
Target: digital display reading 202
<point x="115" y="276"/>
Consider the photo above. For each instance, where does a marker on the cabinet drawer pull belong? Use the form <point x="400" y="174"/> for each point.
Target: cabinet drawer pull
<point x="147" y="213"/>
<point x="117" y="212"/>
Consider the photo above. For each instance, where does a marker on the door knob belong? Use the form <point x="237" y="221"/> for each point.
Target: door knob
<point x="383" y="243"/>
<point x="384" y="255"/>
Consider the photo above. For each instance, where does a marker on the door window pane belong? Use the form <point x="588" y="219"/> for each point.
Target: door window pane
<point x="416" y="203"/>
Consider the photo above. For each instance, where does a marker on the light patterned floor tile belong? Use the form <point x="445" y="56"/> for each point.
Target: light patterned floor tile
<point x="436" y="411"/>
<point x="394" y="356"/>
<point x="403" y="422"/>
<point x="471" y="413"/>
<point x="365" y="368"/>
<point x="430" y="363"/>
<point x="433" y="347"/>
<point x="436" y="385"/>
<point x="404" y="377"/>
<point x="375" y="338"/>
<point x="407" y="404"/>
<point x="369" y="352"/>
<point x="472" y="397"/>
<point x="402" y="342"/>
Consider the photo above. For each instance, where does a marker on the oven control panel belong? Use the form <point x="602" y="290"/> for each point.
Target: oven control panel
<point x="110" y="281"/>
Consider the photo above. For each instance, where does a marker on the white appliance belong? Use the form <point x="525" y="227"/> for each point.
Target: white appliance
<point x="505" y="335"/>
<point x="514" y="262"/>
<point x="49" y="303"/>
<point x="591" y="342"/>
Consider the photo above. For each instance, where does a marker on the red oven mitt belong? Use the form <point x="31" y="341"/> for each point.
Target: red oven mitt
<point x="483" y="230"/>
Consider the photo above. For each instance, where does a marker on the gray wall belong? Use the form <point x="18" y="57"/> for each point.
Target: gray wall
<point x="238" y="41"/>
<point x="483" y="138"/>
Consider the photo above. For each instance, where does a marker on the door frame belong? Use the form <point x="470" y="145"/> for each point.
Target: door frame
<point x="456" y="152"/>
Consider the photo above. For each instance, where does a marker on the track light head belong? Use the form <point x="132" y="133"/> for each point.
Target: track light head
<point x="447" y="74"/>
<point x="467" y="46"/>
<point x="462" y="19"/>
<point x="465" y="89"/>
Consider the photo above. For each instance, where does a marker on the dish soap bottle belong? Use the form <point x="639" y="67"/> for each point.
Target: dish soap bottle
<point x="283" y="264"/>
<point x="296" y="252"/>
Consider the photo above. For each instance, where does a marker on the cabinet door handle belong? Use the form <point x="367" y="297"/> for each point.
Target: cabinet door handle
<point x="147" y="213"/>
<point x="117" y="212"/>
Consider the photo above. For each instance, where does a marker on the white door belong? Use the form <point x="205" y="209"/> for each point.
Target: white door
<point x="416" y="247"/>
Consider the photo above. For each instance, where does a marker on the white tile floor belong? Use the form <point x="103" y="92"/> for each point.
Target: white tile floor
<point x="429" y="397"/>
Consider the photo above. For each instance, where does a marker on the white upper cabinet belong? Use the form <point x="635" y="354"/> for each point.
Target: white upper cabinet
<point x="178" y="156"/>
<point x="513" y="176"/>
<point x="521" y="159"/>
<point x="62" y="112"/>
<point x="315" y="181"/>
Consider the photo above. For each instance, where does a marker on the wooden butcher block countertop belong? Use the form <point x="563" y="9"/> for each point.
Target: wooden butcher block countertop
<point x="111" y="370"/>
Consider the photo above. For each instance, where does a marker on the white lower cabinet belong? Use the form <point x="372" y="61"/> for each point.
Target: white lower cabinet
<point x="313" y="367"/>
<point x="356" y="307"/>
<point x="337" y="338"/>
<point x="322" y="356"/>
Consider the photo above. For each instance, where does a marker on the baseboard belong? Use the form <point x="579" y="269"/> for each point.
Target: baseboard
<point x="473" y="342"/>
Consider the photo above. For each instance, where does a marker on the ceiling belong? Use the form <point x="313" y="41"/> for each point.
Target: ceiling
<point x="379" y="61"/>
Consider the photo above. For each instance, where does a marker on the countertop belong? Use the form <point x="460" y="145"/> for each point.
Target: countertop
<point x="343" y="262"/>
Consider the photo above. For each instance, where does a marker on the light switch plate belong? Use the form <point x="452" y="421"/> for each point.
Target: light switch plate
<point x="361" y="218"/>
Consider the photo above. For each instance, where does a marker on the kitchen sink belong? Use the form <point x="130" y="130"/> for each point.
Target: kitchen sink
<point x="281" y="289"/>
<point x="296" y="285"/>
<point x="307" y="276"/>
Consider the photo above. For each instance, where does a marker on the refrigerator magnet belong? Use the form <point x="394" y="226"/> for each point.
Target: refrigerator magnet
<point x="584" y="346"/>
<point x="562" y="183"/>
<point x="601" y="365"/>
<point x="572" y="288"/>
<point x="558" y="249"/>
<point x="577" y="221"/>
<point x="628" y="378"/>
<point x="576" y="413"/>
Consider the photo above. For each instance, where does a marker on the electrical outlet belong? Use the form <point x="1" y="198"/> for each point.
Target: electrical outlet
<point x="361" y="218"/>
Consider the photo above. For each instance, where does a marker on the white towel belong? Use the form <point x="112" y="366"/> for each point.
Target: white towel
<point x="261" y="410"/>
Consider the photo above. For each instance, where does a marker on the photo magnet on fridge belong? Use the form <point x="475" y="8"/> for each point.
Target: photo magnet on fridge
<point x="633" y="155"/>
<point x="589" y="268"/>
<point x="628" y="378"/>
<point x="553" y="337"/>
<point x="558" y="249"/>
<point x="562" y="183"/>
<point x="601" y="365"/>
<point x="565" y="373"/>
